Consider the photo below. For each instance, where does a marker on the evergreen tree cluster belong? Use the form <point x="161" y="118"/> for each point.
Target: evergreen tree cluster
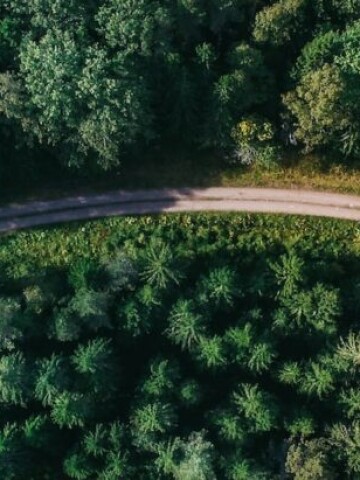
<point x="236" y="362"/>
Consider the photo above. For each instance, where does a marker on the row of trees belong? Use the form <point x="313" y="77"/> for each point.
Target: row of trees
<point x="165" y="363"/>
<point x="93" y="81"/>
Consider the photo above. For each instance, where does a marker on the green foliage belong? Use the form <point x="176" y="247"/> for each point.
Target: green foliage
<point x="77" y="466"/>
<point x="185" y="325"/>
<point x="14" y="462"/>
<point x="95" y="362"/>
<point x="302" y="425"/>
<point x="196" y="461"/>
<point x="325" y="100"/>
<point x="349" y="350"/>
<point x="288" y="273"/>
<point x="308" y="460"/>
<point x="317" y="105"/>
<point x="318" y="380"/>
<point x="79" y="274"/>
<point x="151" y="419"/>
<point x="290" y="373"/>
<point x="211" y="352"/>
<point x="70" y="410"/>
<point x="52" y="378"/>
<point x="240" y="340"/>
<point x="248" y="84"/>
<point x="96" y="84"/>
<point x="262" y="355"/>
<point x="317" y="53"/>
<point x="159" y="265"/>
<point x="189" y="459"/>
<point x="351" y="400"/>
<point x="162" y="379"/>
<point x="347" y="439"/>
<point x="242" y="470"/>
<point x="280" y="22"/>
<point x="219" y="288"/>
<point x="9" y="332"/>
<point x="76" y="78"/>
<point x="38" y="432"/>
<point x="316" y="309"/>
<point x="120" y="273"/>
<point x="229" y="426"/>
<point x="253" y="139"/>
<point x="90" y="307"/>
<point x="190" y="393"/>
<point x="134" y="27"/>
<point x="125" y="340"/>
<point x="96" y="441"/>
<point x="348" y="8"/>
<point x="256" y="407"/>
<point x="15" y="379"/>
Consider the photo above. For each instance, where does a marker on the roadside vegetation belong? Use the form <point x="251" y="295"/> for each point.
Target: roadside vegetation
<point x="185" y="169"/>
<point x="185" y="347"/>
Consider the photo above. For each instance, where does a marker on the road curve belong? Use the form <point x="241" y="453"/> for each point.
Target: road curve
<point x="259" y="200"/>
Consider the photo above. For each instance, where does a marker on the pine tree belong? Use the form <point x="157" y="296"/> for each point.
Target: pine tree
<point x="210" y="352"/>
<point x="78" y="467"/>
<point x="261" y="357"/>
<point x="349" y="350"/>
<point x="15" y="379"/>
<point x="53" y="377"/>
<point x="9" y="323"/>
<point x="71" y="410"/>
<point x="318" y="380"/>
<point x="186" y="326"/>
<point x="256" y="406"/>
<point x="151" y="420"/>
<point x="15" y="462"/>
<point x="91" y="309"/>
<point x="95" y="362"/>
<point x="350" y="399"/>
<point x="159" y="266"/>
<point x="219" y="288"/>
<point x="162" y="380"/>
<point x="288" y="271"/>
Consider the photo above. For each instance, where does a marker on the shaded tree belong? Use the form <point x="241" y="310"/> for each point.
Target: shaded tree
<point x="52" y="378"/>
<point x="71" y="409"/>
<point x="15" y="379"/>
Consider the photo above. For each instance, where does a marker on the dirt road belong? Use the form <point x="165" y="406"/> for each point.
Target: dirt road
<point x="13" y="217"/>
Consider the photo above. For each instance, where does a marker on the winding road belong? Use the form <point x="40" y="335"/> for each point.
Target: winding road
<point x="259" y="200"/>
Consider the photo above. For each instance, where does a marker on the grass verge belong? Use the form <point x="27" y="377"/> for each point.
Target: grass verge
<point x="182" y="169"/>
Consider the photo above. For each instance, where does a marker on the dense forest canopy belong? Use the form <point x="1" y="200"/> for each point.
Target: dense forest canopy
<point x="181" y="348"/>
<point x="92" y="81"/>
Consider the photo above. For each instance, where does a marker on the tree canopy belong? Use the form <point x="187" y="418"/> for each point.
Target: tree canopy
<point x="164" y="349"/>
<point x="93" y="82"/>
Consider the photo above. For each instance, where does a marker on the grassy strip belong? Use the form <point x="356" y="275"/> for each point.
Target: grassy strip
<point x="24" y="253"/>
<point x="181" y="169"/>
<point x="294" y="171"/>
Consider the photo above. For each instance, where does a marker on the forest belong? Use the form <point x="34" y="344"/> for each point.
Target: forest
<point x="179" y="347"/>
<point x="90" y="83"/>
<point x="185" y="347"/>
